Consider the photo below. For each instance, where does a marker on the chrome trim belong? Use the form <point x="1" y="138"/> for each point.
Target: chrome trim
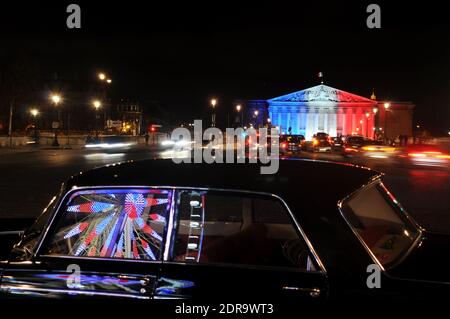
<point x="159" y="297"/>
<point x="313" y="292"/>
<point x="372" y="181"/>
<point x="7" y="288"/>
<point x="169" y="228"/>
<point x="305" y="238"/>
<point x="174" y="188"/>
<point x="144" y="261"/>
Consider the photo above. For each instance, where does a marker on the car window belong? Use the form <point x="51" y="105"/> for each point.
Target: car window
<point x="224" y="228"/>
<point x="112" y="223"/>
<point x="380" y="223"/>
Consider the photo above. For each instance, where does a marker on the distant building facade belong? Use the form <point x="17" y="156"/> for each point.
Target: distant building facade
<point x="325" y="109"/>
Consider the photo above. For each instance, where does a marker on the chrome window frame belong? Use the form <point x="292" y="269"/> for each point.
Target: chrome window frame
<point x="171" y="221"/>
<point x="376" y="180"/>
<point x="57" y="212"/>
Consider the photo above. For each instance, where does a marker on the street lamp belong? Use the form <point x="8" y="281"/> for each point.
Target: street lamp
<point x="256" y="113"/>
<point x="238" y="109"/>
<point x="367" y="124"/>
<point x="34" y="113"/>
<point x="96" y="104"/>
<point x="375" y="121"/>
<point x="386" y="108"/>
<point x="56" y="99"/>
<point x="103" y="77"/>
<point x="213" y="115"/>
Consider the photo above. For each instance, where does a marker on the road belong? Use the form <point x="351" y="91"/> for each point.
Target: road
<point x="30" y="178"/>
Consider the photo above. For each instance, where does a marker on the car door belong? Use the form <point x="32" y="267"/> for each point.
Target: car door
<point x="231" y="245"/>
<point x="100" y="243"/>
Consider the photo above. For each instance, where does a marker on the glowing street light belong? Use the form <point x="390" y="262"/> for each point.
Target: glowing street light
<point x="34" y="112"/>
<point x="101" y="76"/>
<point x="238" y="109"/>
<point x="375" y="110"/>
<point x="97" y="104"/>
<point x="367" y="124"/>
<point x="108" y="81"/>
<point x="56" y="99"/>
<point x="256" y="113"/>
<point x="213" y="103"/>
<point x="386" y="108"/>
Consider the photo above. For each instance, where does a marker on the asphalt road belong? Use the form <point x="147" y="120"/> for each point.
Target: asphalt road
<point x="30" y="178"/>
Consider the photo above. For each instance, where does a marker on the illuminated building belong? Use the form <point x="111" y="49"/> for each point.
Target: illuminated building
<point x="325" y="109"/>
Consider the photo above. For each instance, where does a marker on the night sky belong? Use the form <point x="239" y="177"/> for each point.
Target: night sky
<point x="183" y="54"/>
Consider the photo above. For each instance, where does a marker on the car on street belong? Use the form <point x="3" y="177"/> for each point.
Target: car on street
<point x="109" y="142"/>
<point x="353" y="144"/>
<point x="427" y="155"/>
<point x="291" y="144"/>
<point x="153" y="229"/>
<point x="321" y="142"/>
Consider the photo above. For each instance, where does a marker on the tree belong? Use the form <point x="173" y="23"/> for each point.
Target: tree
<point x="18" y="78"/>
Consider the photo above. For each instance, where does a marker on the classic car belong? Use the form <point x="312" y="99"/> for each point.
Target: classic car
<point x="154" y="230"/>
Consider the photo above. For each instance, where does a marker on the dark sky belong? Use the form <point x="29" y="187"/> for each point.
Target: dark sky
<point x="182" y="54"/>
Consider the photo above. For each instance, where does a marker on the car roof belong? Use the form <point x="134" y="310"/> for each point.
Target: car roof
<point x="293" y="177"/>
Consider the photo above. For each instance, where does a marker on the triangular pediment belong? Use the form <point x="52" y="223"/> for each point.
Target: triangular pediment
<point x="322" y="93"/>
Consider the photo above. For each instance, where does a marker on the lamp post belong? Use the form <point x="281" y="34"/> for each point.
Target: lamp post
<point x="367" y="124"/>
<point x="256" y="113"/>
<point x="213" y="103"/>
<point x="56" y="99"/>
<point x="239" y="109"/>
<point x="375" y="111"/>
<point x="103" y="77"/>
<point x="96" y="104"/>
<point x="35" y="113"/>
<point x="386" y="108"/>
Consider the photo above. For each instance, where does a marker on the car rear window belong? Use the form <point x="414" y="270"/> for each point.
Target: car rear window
<point x="112" y="223"/>
<point x="380" y="222"/>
